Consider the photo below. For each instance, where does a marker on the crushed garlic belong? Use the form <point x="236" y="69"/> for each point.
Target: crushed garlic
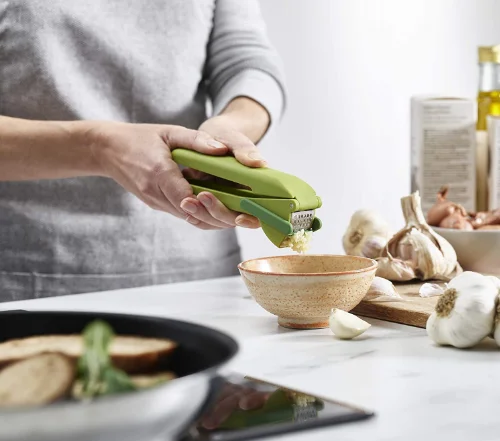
<point x="299" y="242"/>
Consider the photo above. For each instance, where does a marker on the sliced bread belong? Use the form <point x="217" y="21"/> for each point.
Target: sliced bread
<point x="131" y="354"/>
<point x="37" y="380"/>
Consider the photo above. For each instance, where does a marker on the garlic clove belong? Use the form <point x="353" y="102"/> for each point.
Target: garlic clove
<point x="428" y="259"/>
<point x="447" y="214"/>
<point x="373" y="246"/>
<point x="431" y="290"/>
<point x="456" y="221"/>
<point x="345" y="325"/>
<point x="465" y="313"/>
<point x="395" y="269"/>
<point x="382" y="290"/>
<point x="441" y="208"/>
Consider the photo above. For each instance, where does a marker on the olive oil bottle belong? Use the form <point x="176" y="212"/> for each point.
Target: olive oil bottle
<point x="488" y="103"/>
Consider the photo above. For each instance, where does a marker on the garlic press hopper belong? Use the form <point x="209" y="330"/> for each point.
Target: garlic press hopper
<point x="283" y="203"/>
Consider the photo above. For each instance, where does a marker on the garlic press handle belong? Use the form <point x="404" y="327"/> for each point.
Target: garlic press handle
<point x="263" y="181"/>
<point x="248" y="206"/>
<point x="225" y="167"/>
<point x="231" y="201"/>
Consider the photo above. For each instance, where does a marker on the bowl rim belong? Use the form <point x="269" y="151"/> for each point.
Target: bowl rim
<point x="373" y="266"/>
<point x="455" y="231"/>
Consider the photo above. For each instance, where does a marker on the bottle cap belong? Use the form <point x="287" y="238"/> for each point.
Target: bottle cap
<point x="489" y="54"/>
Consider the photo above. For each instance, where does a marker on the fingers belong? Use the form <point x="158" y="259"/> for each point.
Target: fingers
<point x="162" y="204"/>
<point x="173" y="185"/>
<point x="178" y="197"/>
<point x="197" y="210"/>
<point x="198" y="216"/>
<point x="180" y="137"/>
<point x="190" y="173"/>
<point x="247" y="221"/>
<point x="201" y="225"/>
<point x="205" y="211"/>
<point x="216" y="210"/>
<point x="208" y="209"/>
<point x="243" y="149"/>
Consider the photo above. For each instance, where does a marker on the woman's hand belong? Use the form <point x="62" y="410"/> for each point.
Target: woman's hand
<point x="138" y="157"/>
<point x="206" y="207"/>
<point x="242" y="123"/>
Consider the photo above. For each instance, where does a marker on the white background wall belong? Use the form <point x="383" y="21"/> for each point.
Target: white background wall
<point x="351" y="68"/>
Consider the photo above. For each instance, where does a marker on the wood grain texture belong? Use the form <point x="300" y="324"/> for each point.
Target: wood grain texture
<point x="413" y="311"/>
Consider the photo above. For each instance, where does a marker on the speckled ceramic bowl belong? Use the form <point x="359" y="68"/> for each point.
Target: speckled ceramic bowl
<point x="302" y="289"/>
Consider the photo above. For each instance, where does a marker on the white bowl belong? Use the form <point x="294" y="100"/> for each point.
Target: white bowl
<point x="476" y="250"/>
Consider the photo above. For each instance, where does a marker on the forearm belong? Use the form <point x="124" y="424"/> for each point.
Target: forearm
<point x="248" y="117"/>
<point x="32" y="150"/>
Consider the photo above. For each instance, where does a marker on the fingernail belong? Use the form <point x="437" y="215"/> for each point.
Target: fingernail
<point x="189" y="207"/>
<point x="215" y="144"/>
<point x="192" y="220"/>
<point x="256" y="156"/>
<point x="205" y="200"/>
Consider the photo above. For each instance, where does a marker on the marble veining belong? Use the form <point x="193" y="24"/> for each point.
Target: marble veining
<point x="420" y="392"/>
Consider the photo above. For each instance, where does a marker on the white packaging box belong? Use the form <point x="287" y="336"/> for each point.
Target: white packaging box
<point x="493" y="162"/>
<point x="443" y="149"/>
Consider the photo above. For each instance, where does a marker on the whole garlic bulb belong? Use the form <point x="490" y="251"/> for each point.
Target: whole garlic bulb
<point x="366" y="235"/>
<point x="465" y="313"/>
<point x="416" y="251"/>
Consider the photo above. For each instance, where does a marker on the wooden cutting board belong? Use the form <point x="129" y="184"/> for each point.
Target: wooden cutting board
<point x="413" y="311"/>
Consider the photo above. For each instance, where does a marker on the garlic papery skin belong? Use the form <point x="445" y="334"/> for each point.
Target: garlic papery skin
<point x="373" y="246"/>
<point x="382" y="290"/>
<point x="417" y="249"/>
<point x="431" y="290"/>
<point x="366" y="235"/>
<point x="345" y="325"/>
<point x="395" y="269"/>
<point x="465" y="313"/>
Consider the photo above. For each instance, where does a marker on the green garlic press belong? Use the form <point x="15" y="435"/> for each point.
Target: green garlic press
<point x="283" y="203"/>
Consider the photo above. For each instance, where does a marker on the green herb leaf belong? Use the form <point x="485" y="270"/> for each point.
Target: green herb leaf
<point x="117" y="381"/>
<point x="96" y="372"/>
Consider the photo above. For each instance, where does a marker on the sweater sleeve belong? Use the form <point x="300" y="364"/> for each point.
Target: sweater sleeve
<point x="241" y="60"/>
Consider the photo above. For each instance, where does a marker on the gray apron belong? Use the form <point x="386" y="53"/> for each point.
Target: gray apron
<point x="112" y="60"/>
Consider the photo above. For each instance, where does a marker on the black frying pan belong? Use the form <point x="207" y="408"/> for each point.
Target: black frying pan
<point x="160" y="413"/>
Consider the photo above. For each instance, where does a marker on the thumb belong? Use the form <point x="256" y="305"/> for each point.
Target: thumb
<point x="202" y="142"/>
<point x="244" y="150"/>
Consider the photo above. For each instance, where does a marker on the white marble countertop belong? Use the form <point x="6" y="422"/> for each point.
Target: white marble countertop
<point x="419" y="392"/>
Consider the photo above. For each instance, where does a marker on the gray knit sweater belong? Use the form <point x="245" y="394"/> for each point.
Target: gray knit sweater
<point x="155" y="61"/>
